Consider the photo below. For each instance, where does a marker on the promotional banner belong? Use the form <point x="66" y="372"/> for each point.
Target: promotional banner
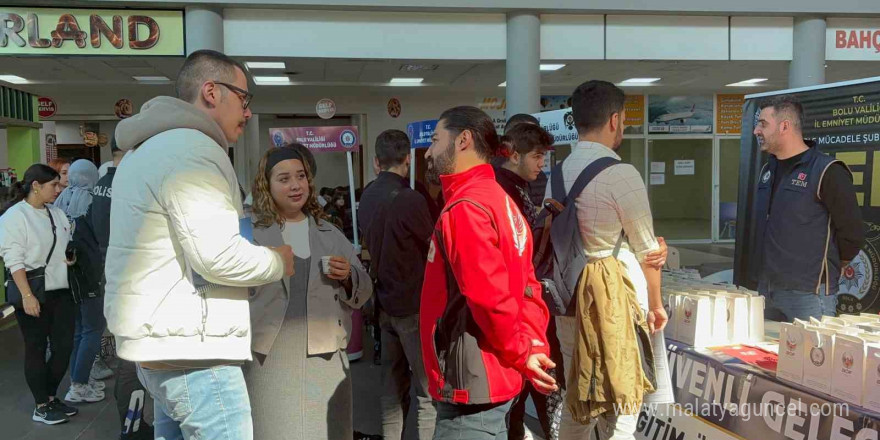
<point x="730" y="113"/>
<point x="420" y="133"/>
<point x="74" y="31"/>
<point x="319" y="139"/>
<point x="560" y="125"/>
<point x="742" y="400"/>
<point x="496" y="108"/>
<point x="680" y="114"/>
<point x="844" y="122"/>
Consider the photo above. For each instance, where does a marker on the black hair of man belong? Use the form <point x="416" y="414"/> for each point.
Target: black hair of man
<point x="520" y="118"/>
<point x="459" y="119"/>
<point x="594" y="103"/>
<point x="392" y="147"/>
<point x="786" y="107"/>
<point x="202" y="66"/>
<point x="526" y="138"/>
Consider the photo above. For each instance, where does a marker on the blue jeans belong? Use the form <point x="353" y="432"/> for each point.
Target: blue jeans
<point x="209" y="403"/>
<point x="90" y="325"/>
<point x="802" y="305"/>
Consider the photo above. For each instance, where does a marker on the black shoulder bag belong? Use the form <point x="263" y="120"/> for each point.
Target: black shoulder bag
<point x="36" y="278"/>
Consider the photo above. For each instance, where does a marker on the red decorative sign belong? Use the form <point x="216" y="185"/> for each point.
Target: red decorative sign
<point x="318" y="139"/>
<point x="46" y="107"/>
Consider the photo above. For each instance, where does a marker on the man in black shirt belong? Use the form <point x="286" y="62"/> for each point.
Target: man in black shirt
<point x="397" y="227"/>
<point x="525" y="144"/>
<point x="131" y="397"/>
<point x="809" y="224"/>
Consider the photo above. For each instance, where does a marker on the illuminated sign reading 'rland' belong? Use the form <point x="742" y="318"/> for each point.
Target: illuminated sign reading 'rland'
<point x="44" y="31"/>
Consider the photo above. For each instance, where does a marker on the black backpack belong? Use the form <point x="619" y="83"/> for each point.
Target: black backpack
<point x="559" y="256"/>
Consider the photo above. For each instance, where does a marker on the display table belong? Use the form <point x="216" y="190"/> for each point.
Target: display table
<point x="732" y="392"/>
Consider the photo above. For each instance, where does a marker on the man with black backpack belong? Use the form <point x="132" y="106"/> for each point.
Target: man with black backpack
<point x="397" y="226"/>
<point x="613" y="218"/>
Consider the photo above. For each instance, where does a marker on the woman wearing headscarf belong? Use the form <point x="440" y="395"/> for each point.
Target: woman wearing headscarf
<point x="299" y="381"/>
<point x="33" y="236"/>
<point x="84" y="282"/>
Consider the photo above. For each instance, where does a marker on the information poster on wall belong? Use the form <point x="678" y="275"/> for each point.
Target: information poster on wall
<point x="680" y="114"/>
<point x="319" y="139"/>
<point x="844" y="122"/>
<point x="730" y="113"/>
<point x="496" y="108"/>
<point x="684" y="167"/>
<point x="635" y="114"/>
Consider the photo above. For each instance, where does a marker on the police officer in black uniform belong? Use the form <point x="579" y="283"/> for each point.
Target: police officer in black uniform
<point x="809" y="224"/>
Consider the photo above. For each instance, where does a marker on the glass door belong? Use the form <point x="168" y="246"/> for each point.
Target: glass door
<point x="728" y="187"/>
<point x="680" y="187"/>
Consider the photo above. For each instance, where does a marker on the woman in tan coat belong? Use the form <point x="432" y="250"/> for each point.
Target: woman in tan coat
<point x="299" y="382"/>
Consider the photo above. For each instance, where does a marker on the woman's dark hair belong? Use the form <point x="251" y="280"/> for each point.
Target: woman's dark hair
<point x="19" y="191"/>
<point x="459" y="119"/>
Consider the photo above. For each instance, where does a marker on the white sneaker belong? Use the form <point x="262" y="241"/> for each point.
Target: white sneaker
<point x="97" y="385"/>
<point x="100" y="370"/>
<point x="83" y="393"/>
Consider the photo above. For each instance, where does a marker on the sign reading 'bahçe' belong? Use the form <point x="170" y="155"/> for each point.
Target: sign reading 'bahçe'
<point x="49" y="31"/>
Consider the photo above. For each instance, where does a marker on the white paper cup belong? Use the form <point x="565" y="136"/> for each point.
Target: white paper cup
<point x="325" y="265"/>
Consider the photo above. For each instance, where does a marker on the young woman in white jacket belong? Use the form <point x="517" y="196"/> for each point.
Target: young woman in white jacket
<point x="27" y="234"/>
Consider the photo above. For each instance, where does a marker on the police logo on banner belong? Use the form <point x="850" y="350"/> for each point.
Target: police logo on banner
<point x="859" y="282"/>
<point x="348" y="139"/>
<point x="569" y="120"/>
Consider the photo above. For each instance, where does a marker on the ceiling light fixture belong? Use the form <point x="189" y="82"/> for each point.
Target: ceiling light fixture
<point x="639" y="81"/>
<point x="407" y="80"/>
<point x="266" y="65"/>
<point x="748" y="83"/>
<point x="551" y="67"/>
<point x="14" y="79"/>
<point x="151" y="78"/>
<point x="504" y="84"/>
<point x="272" y="80"/>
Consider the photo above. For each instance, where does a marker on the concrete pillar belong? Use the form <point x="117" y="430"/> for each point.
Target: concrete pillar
<point x="807" y="66"/>
<point x="204" y="28"/>
<point x="523" y="63"/>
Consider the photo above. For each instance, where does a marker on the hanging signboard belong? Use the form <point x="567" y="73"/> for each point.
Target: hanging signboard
<point x="852" y="39"/>
<point x="679" y="114"/>
<point x="318" y="139"/>
<point x="420" y="133"/>
<point x="73" y="31"/>
<point x="635" y="114"/>
<point x="325" y="108"/>
<point x="730" y="112"/>
<point x="46" y="107"/>
<point x="844" y="121"/>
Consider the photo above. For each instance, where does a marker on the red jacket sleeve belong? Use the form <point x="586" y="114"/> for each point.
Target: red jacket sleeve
<point x="508" y="325"/>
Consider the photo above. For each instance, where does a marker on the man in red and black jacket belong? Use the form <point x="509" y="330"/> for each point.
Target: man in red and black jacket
<point x="483" y="322"/>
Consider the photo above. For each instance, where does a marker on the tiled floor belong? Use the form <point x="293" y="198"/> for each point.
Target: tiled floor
<point x="99" y="421"/>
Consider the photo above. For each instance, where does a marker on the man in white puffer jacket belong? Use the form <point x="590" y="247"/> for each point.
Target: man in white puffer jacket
<point x="177" y="265"/>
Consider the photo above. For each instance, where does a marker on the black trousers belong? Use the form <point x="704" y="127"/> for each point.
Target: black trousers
<point x="549" y="408"/>
<point x="131" y="398"/>
<point x="57" y="323"/>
